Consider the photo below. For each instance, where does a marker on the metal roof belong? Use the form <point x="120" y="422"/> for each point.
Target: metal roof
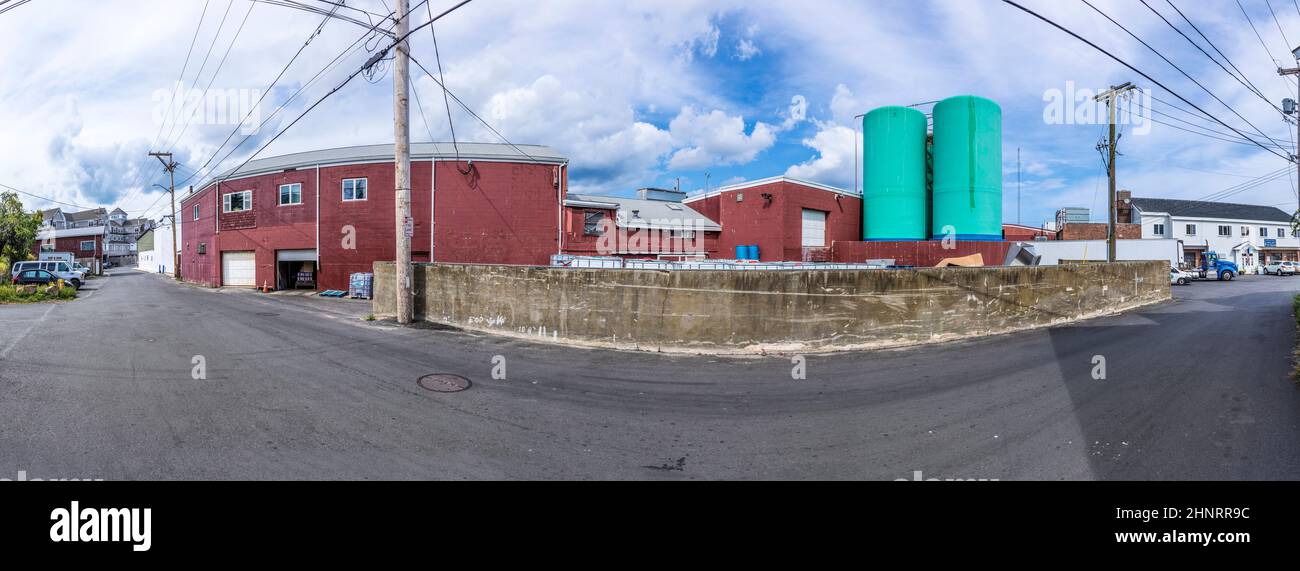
<point x="772" y="180"/>
<point x="655" y="214"/>
<point x="69" y="232"/>
<point x="1204" y="209"/>
<point x="381" y="153"/>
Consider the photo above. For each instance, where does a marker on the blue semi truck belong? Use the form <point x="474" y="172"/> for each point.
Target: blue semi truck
<point x="1213" y="266"/>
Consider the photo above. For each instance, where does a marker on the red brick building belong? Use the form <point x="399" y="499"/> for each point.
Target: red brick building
<point x="86" y="244"/>
<point x="655" y="225"/>
<point x="1020" y="233"/>
<point x="311" y="219"/>
<point x="789" y="219"/>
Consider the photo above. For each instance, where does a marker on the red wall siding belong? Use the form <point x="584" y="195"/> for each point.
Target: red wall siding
<point x="917" y="253"/>
<point x="504" y="214"/>
<point x="72" y="244"/>
<point x="777" y="228"/>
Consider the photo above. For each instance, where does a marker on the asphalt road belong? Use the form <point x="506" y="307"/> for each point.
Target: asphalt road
<point x="301" y="388"/>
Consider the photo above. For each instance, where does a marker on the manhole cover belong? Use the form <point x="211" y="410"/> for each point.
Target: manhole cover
<point x="443" y="383"/>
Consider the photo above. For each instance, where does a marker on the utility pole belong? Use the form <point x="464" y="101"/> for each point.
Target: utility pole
<point x="1296" y="157"/>
<point x="170" y="165"/>
<point x="402" y="138"/>
<point x="1017" y="185"/>
<point x="1111" y="97"/>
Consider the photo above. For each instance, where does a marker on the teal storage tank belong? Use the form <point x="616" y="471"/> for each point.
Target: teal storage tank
<point x="893" y="176"/>
<point x="967" y="169"/>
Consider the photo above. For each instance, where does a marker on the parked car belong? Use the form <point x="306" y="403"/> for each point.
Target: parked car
<point x="1280" y="269"/>
<point x="35" y="276"/>
<point x="1180" y="277"/>
<point x="60" y="269"/>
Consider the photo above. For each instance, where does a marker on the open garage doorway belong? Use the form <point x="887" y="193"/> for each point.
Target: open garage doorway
<point x="295" y="269"/>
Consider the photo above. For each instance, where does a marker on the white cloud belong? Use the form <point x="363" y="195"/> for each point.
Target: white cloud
<point x="746" y="49"/>
<point x="835" y="147"/>
<point x="716" y="139"/>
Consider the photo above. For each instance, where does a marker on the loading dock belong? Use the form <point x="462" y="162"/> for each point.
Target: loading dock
<point x="295" y="269"/>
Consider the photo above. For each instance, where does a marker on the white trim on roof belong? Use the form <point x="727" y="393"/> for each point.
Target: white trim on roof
<point x="590" y="204"/>
<point x="70" y="232"/>
<point x="773" y="180"/>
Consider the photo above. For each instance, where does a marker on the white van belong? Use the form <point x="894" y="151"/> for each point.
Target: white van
<point x="62" y="269"/>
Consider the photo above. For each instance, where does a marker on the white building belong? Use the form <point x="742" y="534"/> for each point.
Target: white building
<point x="1250" y="235"/>
<point x="154" y="249"/>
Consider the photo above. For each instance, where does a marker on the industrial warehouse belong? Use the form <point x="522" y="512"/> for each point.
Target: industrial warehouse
<point x="310" y="220"/>
<point x="691" y="241"/>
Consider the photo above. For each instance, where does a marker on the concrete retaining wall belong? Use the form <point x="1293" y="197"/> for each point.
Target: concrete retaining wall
<point x="736" y="311"/>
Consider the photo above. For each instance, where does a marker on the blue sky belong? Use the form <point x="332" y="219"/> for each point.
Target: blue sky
<point x="642" y="92"/>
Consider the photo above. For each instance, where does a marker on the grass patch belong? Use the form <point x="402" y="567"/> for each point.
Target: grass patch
<point x="1295" y="308"/>
<point x="10" y="294"/>
<point x="371" y="317"/>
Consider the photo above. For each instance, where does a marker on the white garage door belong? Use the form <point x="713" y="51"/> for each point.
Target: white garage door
<point x="238" y="269"/>
<point x="814" y="228"/>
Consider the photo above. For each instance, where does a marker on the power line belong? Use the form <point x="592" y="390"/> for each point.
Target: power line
<point x="442" y="81"/>
<point x="202" y="66"/>
<point x="1247" y="185"/>
<point x="370" y="62"/>
<point x="46" y="198"/>
<point x="1180" y="70"/>
<point x="139" y="173"/>
<point x="1243" y="80"/>
<point x="1139" y="72"/>
<point x="469" y="110"/>
<point x="319" y="28"/>
<point x="332" y="13"/>
<point x="4" y="8"/>
<point x="220" y="64"/>
<point x="1275" y="21"/>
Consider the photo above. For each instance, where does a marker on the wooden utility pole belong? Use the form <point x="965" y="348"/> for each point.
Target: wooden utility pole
<point x="1296" y="157"/>
<point x="170" y="165"/>
<point x="402" y="138"/>
<point x="1111" y="97"/>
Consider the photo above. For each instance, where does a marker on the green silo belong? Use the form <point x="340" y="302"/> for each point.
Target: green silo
<point x="893" y="177"/>
<point x="967" y="169"/>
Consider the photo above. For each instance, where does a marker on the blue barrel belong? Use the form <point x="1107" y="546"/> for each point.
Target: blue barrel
<point x="751" y="251"/>
<point x="742" y="252"/>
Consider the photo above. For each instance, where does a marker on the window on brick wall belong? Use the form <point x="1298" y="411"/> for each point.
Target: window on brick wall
<point x="87" y="245"/>
<point x="290" y="194"/>
<point x="591" y="222"/>
<point x="237" y="201"/>
<point x="354" y="189"/>
<point x="196" y="212"/>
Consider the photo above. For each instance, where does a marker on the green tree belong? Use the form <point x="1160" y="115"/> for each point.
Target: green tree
<point x="17" y="229"/>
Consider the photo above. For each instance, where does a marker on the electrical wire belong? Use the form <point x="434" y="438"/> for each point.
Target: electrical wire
<point x="1180" y="70"/>
<point x="397" y="42"/>
<point x="221" y="64"/>
<point x="1139" y="72"/>
<point x="267" y="91"/>
<point x="4" y="8"/>
<point x="1243" y="80"/>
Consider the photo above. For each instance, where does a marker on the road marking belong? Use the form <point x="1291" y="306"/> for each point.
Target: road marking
<point x="5" y="352"/>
